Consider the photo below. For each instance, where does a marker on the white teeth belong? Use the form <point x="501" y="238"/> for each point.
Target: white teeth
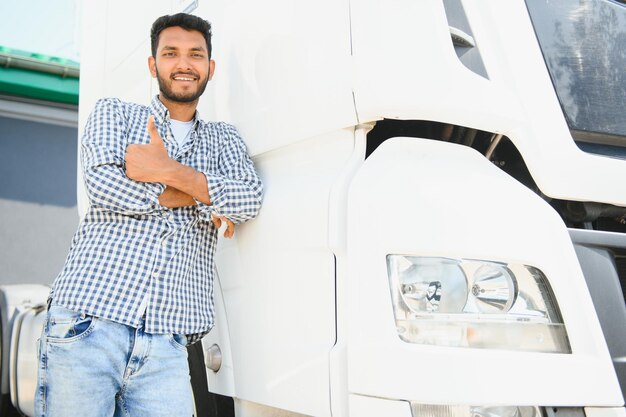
<point x="184" y="78"/>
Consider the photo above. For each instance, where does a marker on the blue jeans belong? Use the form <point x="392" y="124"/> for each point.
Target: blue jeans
<point x="94" y="367"/>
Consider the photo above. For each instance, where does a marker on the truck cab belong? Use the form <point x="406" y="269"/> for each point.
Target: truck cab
<point x="442" y="231"/>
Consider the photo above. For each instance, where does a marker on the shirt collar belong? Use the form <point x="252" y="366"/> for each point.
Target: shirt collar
<point x="161" y="114"/>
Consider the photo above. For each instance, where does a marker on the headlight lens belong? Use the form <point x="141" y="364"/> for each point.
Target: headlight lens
<point x="426" y="410"/>
<point x="494" y="289"/>
<point x="421" y="284"/>
<point x="473" y="303"/>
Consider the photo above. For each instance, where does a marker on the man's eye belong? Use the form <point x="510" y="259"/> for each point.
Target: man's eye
<point x="169" y="54"/>
<point x="197" y="55"/>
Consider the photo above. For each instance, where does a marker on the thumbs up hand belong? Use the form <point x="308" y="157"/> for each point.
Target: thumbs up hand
<point x="146" y="163"/>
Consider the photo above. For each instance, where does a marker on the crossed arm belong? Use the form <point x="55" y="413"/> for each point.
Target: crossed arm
<point x="151" y="163"/>
<point x="142" y="179"/>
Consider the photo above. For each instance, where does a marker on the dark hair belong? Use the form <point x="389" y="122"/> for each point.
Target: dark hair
<point x="185" y="21"/>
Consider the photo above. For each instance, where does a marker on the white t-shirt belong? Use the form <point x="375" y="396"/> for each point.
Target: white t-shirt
<point x="181" y="130"/>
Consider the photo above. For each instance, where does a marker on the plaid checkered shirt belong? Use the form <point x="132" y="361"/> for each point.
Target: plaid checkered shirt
<point x="133" y="259"/>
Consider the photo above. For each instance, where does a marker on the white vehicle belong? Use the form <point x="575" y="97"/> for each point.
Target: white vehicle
<point x="444" y="205"/>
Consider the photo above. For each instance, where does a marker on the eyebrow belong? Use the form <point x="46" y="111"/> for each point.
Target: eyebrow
<point x="174" y="48"/>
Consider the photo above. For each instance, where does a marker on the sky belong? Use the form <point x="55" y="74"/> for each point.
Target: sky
<point x="49" y="27"/>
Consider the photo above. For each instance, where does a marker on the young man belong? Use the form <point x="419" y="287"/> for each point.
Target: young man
<point x="136" y="287"/>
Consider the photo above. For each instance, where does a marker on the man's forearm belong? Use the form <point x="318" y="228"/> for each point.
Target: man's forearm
<point x="187" y="180"/>
<point x="174" y="198"/>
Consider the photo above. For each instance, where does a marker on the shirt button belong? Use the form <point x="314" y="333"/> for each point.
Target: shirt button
<point x="155" y="274"/>
<point x="163" y="243"/>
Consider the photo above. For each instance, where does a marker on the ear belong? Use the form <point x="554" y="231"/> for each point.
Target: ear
<point x="152" y="66"/>
<point x="211" y="68"/>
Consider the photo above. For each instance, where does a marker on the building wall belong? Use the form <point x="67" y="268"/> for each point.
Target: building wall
<point x="38" y="214"/>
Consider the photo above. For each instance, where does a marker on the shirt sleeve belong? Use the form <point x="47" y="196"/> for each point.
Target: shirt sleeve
<point x="103" y="148"/>
<point x="236" y="191"/>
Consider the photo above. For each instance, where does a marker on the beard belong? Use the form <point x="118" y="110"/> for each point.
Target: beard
<point x="186" y="97"/>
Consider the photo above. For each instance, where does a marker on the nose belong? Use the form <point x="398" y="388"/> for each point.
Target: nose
<point x="183" y="63"/>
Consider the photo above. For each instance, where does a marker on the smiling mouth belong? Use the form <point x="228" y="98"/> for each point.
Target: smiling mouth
<point x="185" y="77"/>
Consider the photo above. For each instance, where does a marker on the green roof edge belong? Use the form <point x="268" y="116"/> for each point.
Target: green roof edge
<point x="39" y="85"/>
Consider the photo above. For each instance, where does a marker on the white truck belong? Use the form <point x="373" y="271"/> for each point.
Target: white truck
<point x="443" y="225"/>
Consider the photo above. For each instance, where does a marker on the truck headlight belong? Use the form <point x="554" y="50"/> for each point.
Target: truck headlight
<point x="426" y="410"/>
<point x="475" y="303"/>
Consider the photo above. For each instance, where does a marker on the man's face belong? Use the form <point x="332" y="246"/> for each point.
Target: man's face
<point x="182" y="66"/>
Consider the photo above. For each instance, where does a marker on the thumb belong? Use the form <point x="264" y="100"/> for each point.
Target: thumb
<point x="154" y="133"/>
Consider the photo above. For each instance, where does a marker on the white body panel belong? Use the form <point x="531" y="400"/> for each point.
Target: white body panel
<point x="451" y="202"/>
<point x="370" y="406"/>
<point x="278" y="280"/>
<point x="223" y="381"/>
<point x="283" y="69"/>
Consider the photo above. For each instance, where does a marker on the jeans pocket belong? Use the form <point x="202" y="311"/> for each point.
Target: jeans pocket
<point x="179" y="341"/>
<point x="64" y="325"/>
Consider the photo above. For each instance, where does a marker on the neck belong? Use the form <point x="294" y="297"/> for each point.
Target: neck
<point x="183" y="112"/>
